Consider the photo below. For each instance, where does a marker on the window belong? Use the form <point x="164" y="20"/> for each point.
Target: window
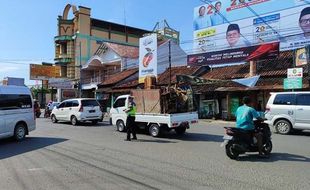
<point x="68" y="104"/>
<point x="62" y="105"/>
<point x="90" y="103"/>
<point x="284" y="99"/>
<point x="15" y="101"/>
<point x="119" y="103"/>
<point x="75" y="103"/>
<point x="303" y="99"/>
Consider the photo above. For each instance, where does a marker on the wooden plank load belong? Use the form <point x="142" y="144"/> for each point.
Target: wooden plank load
<point x="174" y="99"/>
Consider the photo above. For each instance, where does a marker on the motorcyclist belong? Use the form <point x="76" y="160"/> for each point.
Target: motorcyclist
<point x="244" y="120"/>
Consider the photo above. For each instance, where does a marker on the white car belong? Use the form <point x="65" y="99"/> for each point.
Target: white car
<point x="17" y="117"/>
<point x="77" y="110"/>
<point x="287" y="111"/>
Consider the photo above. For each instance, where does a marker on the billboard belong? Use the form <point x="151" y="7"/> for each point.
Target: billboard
<point x="147" y="57"/>
<point x="44" y="72"/>
<point x="264" y="51"/>
<point x="230" y="24"/>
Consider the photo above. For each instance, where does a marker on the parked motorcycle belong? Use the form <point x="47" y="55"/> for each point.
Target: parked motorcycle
<point x="239" y="141"/>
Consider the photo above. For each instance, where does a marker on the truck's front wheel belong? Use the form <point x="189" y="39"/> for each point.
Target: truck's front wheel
<point x="120" y="126"/>
<point x="154" y="130"/>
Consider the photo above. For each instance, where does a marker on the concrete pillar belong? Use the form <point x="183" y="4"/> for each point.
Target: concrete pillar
<point x="252" y="68"/>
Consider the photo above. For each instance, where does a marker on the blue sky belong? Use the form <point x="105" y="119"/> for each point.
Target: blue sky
<point x="27" y="28"/>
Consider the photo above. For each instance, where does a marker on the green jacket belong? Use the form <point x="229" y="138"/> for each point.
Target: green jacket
<point x="132" y="109"/>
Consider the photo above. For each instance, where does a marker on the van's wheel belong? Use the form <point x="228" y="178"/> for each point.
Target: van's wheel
<point x="283" y="127"/>
<point x="74" y="120"/>
<point x="20" y="132"/>
<point x="154" y="130"/>
<point x="53" y="118"/>
<point x="180" y="130"/>
<point x="120" y="126"/>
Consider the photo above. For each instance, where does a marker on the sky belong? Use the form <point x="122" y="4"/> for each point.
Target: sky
<point x="27" y="28"/>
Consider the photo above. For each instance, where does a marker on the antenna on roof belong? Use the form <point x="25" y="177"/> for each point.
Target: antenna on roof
<point x="125" y="24"/>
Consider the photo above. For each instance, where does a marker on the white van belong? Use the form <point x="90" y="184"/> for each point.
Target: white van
<point x="17" y="117"/>
<point x="287" y="111"/>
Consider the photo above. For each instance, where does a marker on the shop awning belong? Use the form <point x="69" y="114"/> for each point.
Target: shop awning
<point x="249" y="82"/>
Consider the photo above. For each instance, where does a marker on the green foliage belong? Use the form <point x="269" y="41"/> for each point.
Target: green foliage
<point x="37" y="90"/>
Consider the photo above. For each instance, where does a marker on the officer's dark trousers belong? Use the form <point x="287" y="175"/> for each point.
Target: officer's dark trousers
<point x="131" y="127"/>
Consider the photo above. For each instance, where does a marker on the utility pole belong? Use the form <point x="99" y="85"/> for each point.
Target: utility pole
<point x="169" y="63"/>
<point x="80" y="69"/>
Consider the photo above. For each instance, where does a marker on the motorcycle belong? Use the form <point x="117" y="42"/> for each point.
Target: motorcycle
<point x="47" y="112"/>
<point x="239" y="141"/>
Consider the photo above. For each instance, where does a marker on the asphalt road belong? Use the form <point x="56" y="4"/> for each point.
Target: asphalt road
<point x="61" y="156"/>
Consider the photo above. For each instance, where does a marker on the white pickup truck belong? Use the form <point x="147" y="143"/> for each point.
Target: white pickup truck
<point x="155" y="123"/>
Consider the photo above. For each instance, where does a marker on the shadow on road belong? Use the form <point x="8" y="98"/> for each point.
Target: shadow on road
<point x="301" y="133"/>
<point x="11" y="148"/>
<point x="154" y="141"/>
<point x="275" y="157"/>
<point x="195" y="137"/>
<point x="86" y="124"/>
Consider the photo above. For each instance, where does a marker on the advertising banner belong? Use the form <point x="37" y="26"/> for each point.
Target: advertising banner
<point x="230" y="24"/>
<point x="44" y="72"/>
<point x="147" y="57"/>
<point x="264" y="51"/>
<point x="301" y="57"/>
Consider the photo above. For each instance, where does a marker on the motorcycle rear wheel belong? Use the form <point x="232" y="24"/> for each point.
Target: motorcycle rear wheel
<point x="230" y="152"/>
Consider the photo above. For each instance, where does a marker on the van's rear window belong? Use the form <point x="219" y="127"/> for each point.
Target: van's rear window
<point x="90" y="103"/>
<point x="15" y="101"/>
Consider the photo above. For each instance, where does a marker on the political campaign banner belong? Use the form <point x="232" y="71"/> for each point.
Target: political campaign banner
<point x="232" y="24"/>
<point x="264" y="51"/>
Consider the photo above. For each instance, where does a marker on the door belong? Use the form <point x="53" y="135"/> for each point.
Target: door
<point x="59" y="111"/>
<point x="303" y="111"/>
<point x="2" y="122"/>
<point x="67" y="110"/>
<point x="118" y="110"/>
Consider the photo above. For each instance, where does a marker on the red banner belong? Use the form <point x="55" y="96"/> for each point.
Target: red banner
<point x="259" y="52"/>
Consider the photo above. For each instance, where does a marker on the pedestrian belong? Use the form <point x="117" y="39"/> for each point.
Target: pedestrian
<point x="130" y="122"/>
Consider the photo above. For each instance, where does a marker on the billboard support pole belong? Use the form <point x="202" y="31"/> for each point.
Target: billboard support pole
<point x="169" y="63"/>
<point x="308" y="64"/>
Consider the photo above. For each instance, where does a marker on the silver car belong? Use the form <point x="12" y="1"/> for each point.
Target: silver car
<point x="288" y="111"/>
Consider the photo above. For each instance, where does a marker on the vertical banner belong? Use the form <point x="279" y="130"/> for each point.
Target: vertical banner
<point x="147" y="57"/>
<point x="300" y="57"/>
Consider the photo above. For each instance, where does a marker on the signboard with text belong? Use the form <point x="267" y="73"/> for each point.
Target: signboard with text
<point x="278" y="21"/>
<point x="44" y="72"/>
<point x="266" y="51"/>
<point x="292" y="83"/>
<point x="295" y="73"/>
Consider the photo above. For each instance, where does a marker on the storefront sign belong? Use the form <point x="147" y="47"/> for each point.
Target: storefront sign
<point x="294" y="73"/>
<point x="292" y="83"/>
